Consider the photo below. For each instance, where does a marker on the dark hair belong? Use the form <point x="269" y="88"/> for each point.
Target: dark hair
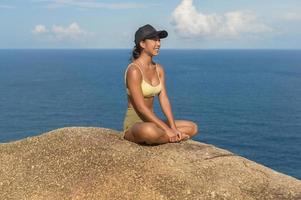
<point x="136" y="52"/>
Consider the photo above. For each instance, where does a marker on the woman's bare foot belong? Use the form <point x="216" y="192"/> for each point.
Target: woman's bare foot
<point x="174" y="139"/>
<point x="184" y="137"/>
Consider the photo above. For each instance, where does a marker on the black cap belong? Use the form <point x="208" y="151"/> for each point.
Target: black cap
<point x="147" y="32"/>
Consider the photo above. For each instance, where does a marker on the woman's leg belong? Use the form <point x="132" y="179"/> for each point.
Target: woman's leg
<point x="146" y="132"/>
<point x="185" y="126"/>
<point x="149" y="133"/>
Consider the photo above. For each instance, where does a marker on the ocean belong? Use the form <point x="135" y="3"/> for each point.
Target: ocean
<point x="245" y="101"/>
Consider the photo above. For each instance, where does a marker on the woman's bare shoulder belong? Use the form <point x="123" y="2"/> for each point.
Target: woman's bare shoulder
<point x="133" y="71"/>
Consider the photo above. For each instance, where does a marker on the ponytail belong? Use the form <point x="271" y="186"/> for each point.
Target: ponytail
<point x="136" y="52"/>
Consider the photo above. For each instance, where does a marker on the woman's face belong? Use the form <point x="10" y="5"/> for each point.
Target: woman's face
<point x="151" y="46"/>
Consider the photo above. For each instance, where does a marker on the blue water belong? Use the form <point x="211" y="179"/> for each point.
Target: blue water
<point x="246" y="101"/>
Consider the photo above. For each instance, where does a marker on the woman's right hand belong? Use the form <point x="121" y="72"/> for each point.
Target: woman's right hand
<point x="173" y="135"/>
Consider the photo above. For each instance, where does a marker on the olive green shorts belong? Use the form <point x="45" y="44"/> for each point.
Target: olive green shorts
<point x="131" y="117"/>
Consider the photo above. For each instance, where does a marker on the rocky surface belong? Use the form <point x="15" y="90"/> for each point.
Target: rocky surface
<point x="96" y="163"/>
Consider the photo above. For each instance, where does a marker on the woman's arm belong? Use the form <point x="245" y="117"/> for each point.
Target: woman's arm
<point x="164" y="101"/>
<point x="134" y="79"/>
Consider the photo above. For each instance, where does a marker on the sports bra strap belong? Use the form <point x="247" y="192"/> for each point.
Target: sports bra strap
<point x="157" y="72"/>
<point x="140" y="71"/>
<point x="127" y="70"/>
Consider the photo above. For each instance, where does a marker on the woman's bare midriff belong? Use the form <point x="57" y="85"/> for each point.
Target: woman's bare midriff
<point x="149" y="102"/>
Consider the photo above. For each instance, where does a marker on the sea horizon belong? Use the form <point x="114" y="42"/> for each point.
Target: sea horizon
<point x="162" y="48"/>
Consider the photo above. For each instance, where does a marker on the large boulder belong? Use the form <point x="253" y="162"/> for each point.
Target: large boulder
<point x="96" y="163"/>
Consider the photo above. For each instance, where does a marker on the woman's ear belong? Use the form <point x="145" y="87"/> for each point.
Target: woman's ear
<point x="142" y="44"/>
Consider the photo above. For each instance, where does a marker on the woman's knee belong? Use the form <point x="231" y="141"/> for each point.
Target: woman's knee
<point x="195" y="128"/>
<point x="150" y="132"/>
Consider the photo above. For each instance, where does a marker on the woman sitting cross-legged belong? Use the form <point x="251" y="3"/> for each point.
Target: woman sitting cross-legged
<point x="145" y="79"/>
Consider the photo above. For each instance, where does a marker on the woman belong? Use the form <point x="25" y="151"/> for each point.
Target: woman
<point x="145" y="79"/>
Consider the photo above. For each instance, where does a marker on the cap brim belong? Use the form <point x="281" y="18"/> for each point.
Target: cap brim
<point x="161" y="34"/>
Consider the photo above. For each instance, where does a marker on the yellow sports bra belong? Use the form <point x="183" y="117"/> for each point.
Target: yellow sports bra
<point x="147" y="89"/>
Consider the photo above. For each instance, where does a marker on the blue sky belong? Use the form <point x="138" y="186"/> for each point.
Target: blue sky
<point x="196" y="24"/>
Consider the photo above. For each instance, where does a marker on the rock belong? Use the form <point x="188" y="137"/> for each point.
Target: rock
<point x="96" y="163"/>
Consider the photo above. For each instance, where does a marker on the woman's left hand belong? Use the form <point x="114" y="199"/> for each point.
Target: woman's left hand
<point x="182" y="136"/>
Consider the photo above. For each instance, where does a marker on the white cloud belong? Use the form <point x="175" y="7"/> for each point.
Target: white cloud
<point x="190" y="23"/>
<point x="93" y="4"/>
<point x="39" y="29"/>
<point x="292" y="16"/>
<point x="71" y="32"/>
